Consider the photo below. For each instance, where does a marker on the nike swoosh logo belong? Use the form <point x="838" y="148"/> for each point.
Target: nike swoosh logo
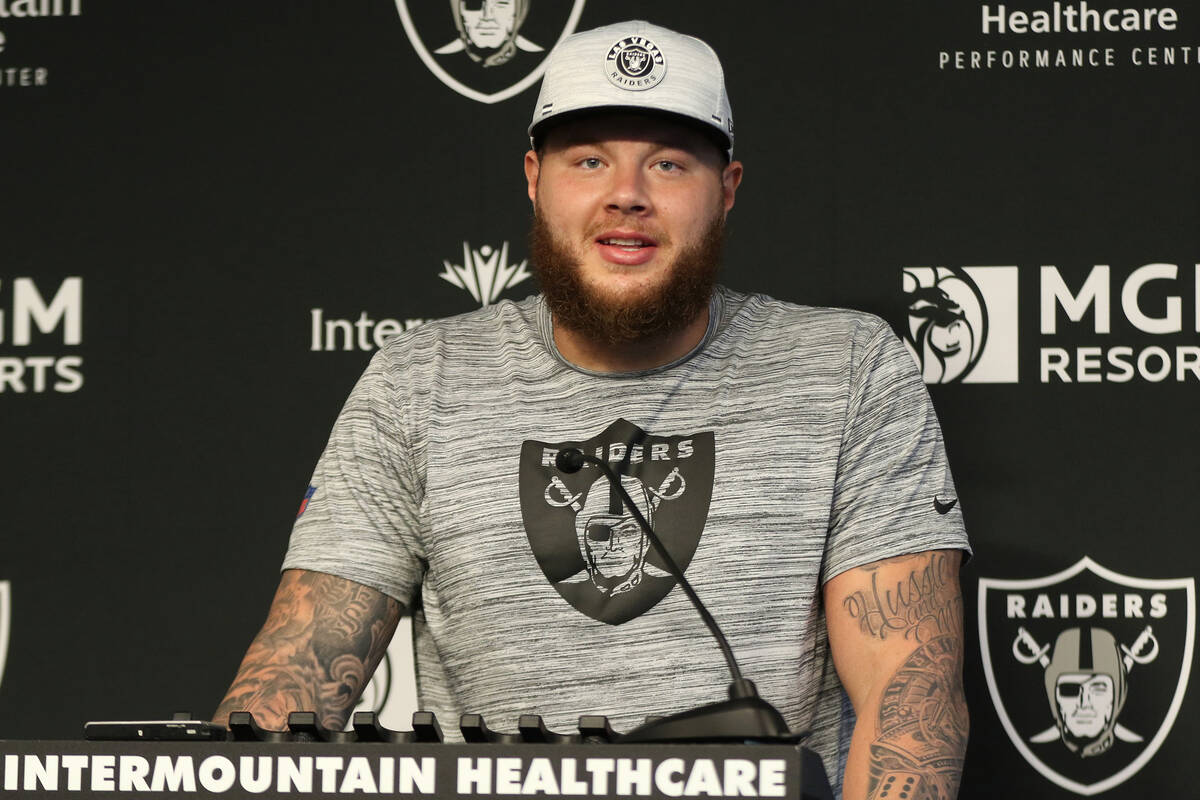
<point x="943" y="508"/>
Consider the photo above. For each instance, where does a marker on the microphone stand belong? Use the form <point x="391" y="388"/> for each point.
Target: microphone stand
<point x="744" y="716"/>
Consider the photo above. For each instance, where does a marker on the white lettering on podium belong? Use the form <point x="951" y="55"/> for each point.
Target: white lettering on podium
<point x="294" y="773"/>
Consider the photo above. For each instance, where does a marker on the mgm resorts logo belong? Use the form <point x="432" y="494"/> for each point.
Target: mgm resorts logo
<point x="28" y="323"/>
<point x="1087" y="668"/>
<point x="485" y="273"/>
<point x="962" y="324"/>
<point x="487" y="50"/>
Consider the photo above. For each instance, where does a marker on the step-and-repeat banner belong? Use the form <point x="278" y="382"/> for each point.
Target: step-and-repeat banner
<point x="213" y="212"/>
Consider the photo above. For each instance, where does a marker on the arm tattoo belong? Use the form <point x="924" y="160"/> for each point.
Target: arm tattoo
<point x="923" y="724"/>
<point x="321" y="641"/>
<point x="920" y="607"/>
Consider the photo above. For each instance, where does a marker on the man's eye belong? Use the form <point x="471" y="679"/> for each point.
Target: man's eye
<point x="667" y="166"/>
<point x="590" y="163"/>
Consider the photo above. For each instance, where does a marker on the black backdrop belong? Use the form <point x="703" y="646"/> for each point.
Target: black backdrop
<point x="214" y="173"/>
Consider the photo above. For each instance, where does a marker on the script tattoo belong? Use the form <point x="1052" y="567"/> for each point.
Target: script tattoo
<point x="925" y="604"/>
<point x="322" y="639"/>
<point x="923" y="722"/>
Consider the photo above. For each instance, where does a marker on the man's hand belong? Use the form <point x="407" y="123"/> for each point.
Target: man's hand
<point x="323" y="638"/>
<point x="895" y="631"/>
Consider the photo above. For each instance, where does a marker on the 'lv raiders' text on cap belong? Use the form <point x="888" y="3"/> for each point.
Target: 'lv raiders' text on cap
<point x="637" y="66"/>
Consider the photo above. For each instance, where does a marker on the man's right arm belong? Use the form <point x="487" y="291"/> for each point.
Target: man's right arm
<point x="321" y="642"/>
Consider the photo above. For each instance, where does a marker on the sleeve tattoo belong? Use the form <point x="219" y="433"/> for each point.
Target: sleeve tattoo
<point x="922" y="725"/>
<point x="322" y="639"/>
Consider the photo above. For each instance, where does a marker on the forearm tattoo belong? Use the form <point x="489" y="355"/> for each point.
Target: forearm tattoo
<point x="921" y="735"/>
<point x="923" y="605"/>
<point x="322" y="639"/>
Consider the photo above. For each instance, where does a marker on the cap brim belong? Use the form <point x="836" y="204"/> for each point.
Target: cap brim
<point x="538" y="131"/>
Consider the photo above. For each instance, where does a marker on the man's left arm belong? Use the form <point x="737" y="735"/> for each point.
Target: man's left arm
<point x="896" y="636"/>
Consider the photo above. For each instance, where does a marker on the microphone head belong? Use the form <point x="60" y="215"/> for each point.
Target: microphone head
<point x="569" y="460"/>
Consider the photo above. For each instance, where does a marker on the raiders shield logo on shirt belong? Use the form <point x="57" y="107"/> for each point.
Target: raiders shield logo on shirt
<point x="586" y="542"/>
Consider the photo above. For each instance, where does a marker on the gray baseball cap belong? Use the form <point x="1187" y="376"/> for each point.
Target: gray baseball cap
<point x="637" y="66"/>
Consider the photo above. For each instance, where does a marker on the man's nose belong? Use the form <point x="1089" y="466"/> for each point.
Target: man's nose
<point x="1085" y="698"/>
<point x="488" y="11"/>
<point x="628" y="192"/>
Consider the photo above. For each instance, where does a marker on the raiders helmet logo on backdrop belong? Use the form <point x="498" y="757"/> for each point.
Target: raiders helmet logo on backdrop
<point x="588" y="545"/>
<point x="1087" y="668"/>
<point x="487" y="50"/>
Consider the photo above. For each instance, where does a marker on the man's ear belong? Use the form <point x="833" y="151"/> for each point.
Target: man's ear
<point x="731" y="178"/>
<point x="532" y="167"/>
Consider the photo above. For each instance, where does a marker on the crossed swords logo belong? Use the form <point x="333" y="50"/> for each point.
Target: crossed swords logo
<point x="1026" y="649"/>
<point x="557" y="495"/>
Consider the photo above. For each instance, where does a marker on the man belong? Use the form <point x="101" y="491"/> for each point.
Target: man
<point x="789" y="455"/>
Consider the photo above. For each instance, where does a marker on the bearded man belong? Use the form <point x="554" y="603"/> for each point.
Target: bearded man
<point x="792" y="457"/>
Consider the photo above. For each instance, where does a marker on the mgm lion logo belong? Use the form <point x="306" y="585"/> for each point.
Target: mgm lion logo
<point x="947" y="322"/>
<point x="588" y="544"/>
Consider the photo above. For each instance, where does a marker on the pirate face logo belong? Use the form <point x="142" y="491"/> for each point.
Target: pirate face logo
<point x="488" y="29"/>
<point x="947" y="322"/>
<point x="1109" y="655"/>
<point x="487" y="50"/>
<point x="611" y="541"/>
<point x="588" y="543"/>
<point x="1083" y="705"/>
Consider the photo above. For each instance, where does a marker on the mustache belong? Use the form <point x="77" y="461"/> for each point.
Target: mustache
<point x="624" y="222"/>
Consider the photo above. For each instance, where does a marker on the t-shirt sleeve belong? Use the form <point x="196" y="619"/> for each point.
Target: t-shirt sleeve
<point x="361" y="519"/>
<point x="894" y="493"/>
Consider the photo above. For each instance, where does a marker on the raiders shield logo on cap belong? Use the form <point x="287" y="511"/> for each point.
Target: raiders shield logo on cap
<point x="1087" y="668"/>
<point x="586" y="542"/>
<point x="636" y="63"/>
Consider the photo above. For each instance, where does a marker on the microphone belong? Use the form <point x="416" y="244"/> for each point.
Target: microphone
<point x="745" y="715"/>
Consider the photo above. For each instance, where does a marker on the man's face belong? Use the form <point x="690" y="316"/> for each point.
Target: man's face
<point x="488" y="23"/>
<point x="1085" y="703"/>
<point x="629" y="214"/>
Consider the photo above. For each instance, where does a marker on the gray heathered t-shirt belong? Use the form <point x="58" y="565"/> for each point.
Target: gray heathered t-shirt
<point x="792" y="444"/>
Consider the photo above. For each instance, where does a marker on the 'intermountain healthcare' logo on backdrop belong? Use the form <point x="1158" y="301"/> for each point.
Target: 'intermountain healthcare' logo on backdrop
<point x="1087" y="668"/>
<point x="485" y="273"/>
<point x="962" y="323"/>
<point x="487" y="50"/>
